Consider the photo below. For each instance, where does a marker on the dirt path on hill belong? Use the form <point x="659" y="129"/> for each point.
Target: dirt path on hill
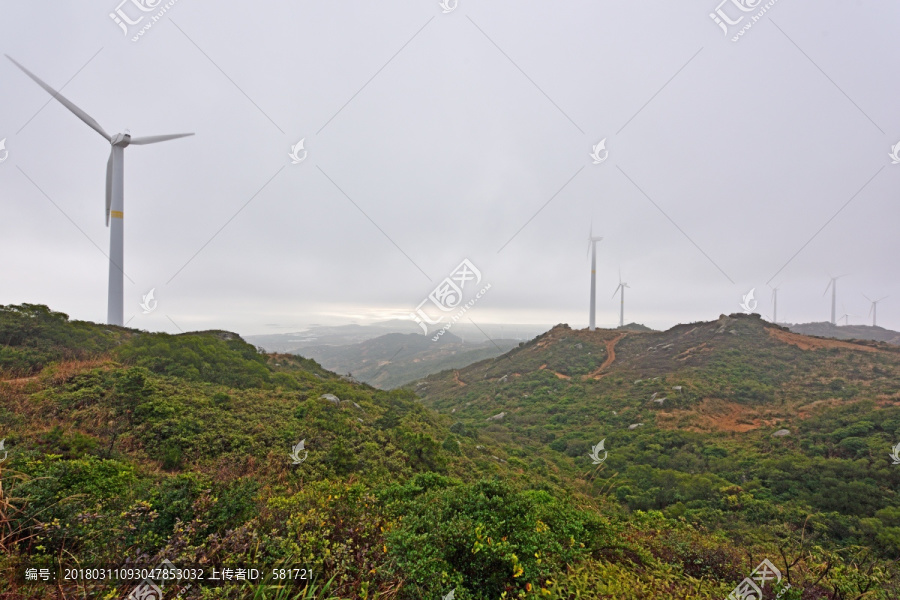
<point x="457" y="380"/>
<point x="560" y="375"/>
<point x="610" y="356"/>
<point x="813" y="343"/>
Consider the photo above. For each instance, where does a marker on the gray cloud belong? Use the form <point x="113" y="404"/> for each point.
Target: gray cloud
<point x="449" y="132"/>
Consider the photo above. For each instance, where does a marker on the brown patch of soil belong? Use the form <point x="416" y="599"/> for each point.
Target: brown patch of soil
<point x="19" y="380"/>
<point x="887" y="401"/>
<point x="714" y="414"/>
<point x="457" y="379"/>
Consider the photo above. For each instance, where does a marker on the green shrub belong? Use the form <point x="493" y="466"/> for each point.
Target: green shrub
<point x="486" y="538"/>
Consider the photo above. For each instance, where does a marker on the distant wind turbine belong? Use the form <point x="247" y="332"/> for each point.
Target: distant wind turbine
<point x="846" y="316"/>
<point x="592" y="248"/>
<point x="621" y="290"/>
<point x="775" y="305"/>
<point x="833" y="285"/>
<point x="115" y="194"/>
<point x="874" y="309"/>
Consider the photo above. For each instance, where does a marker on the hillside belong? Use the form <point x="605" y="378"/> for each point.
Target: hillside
<point x="736" y="425"/>
<point x="848" y="332"/>
<point x="391" y="360"/>
<point x="124" y="447"/>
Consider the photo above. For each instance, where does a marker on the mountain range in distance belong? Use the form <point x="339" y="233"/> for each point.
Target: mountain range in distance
<point x="340" y="335"/>
<point x="393" y="353"/>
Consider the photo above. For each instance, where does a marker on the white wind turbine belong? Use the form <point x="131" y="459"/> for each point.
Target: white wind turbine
<point x="115" y="194"/>
<point x="833" y="285"/>
<point x="846" y="316"/>
<point x="592" y="248"/>
<point x="775" y="305"/>
<point x="621" y="290"/>
<point x="874" y="310"/>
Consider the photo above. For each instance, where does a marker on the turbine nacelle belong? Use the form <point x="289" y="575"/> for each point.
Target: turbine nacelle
<point x="123" y="140"/>
<point x="832" y="283"/>
<point x="619" y="287"/>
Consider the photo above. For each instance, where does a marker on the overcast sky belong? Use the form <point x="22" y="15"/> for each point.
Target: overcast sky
<point x="433" y="137"/>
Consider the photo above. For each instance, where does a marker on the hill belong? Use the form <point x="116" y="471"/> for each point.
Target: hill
<point x="130" y="448"/>
<point x="394" y="359"/>
<point x="848" y="332"/>
<point x="735" y="425"/>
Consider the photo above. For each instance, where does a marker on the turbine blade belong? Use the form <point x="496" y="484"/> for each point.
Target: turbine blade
<point x="64" y="101"/>
<point x="109" y="171"/>
<point x="152" y="139"/>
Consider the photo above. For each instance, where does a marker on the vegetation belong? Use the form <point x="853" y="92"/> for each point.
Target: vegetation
<point x="126" y="447"/>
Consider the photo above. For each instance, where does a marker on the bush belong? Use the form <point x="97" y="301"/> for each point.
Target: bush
<point x="486" y="538"/>
<point x="32" y="336"/>
<point x="199" y="357"/>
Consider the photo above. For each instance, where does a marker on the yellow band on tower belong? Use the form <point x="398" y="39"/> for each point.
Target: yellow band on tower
<point x="116" y="214"/>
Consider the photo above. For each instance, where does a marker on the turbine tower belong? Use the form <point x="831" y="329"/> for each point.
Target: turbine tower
<point x="833" y="285"/>
<point x="115" y="194"/>
<point x="874" y="310"/>
<point x="775" y="305"/>
<point x="621" y="290"/>
<point x="592" y="248"/>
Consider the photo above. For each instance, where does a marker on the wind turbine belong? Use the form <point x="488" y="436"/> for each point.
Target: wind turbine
<point x="592" y="248"/>
<point x="115" y="194"/>
<point x="846" y="316"/>
<point x="621" y="289"/>
<point x="833" y="285"/>
<point x="775" y="305"/>
<point x="874" y="310"/>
